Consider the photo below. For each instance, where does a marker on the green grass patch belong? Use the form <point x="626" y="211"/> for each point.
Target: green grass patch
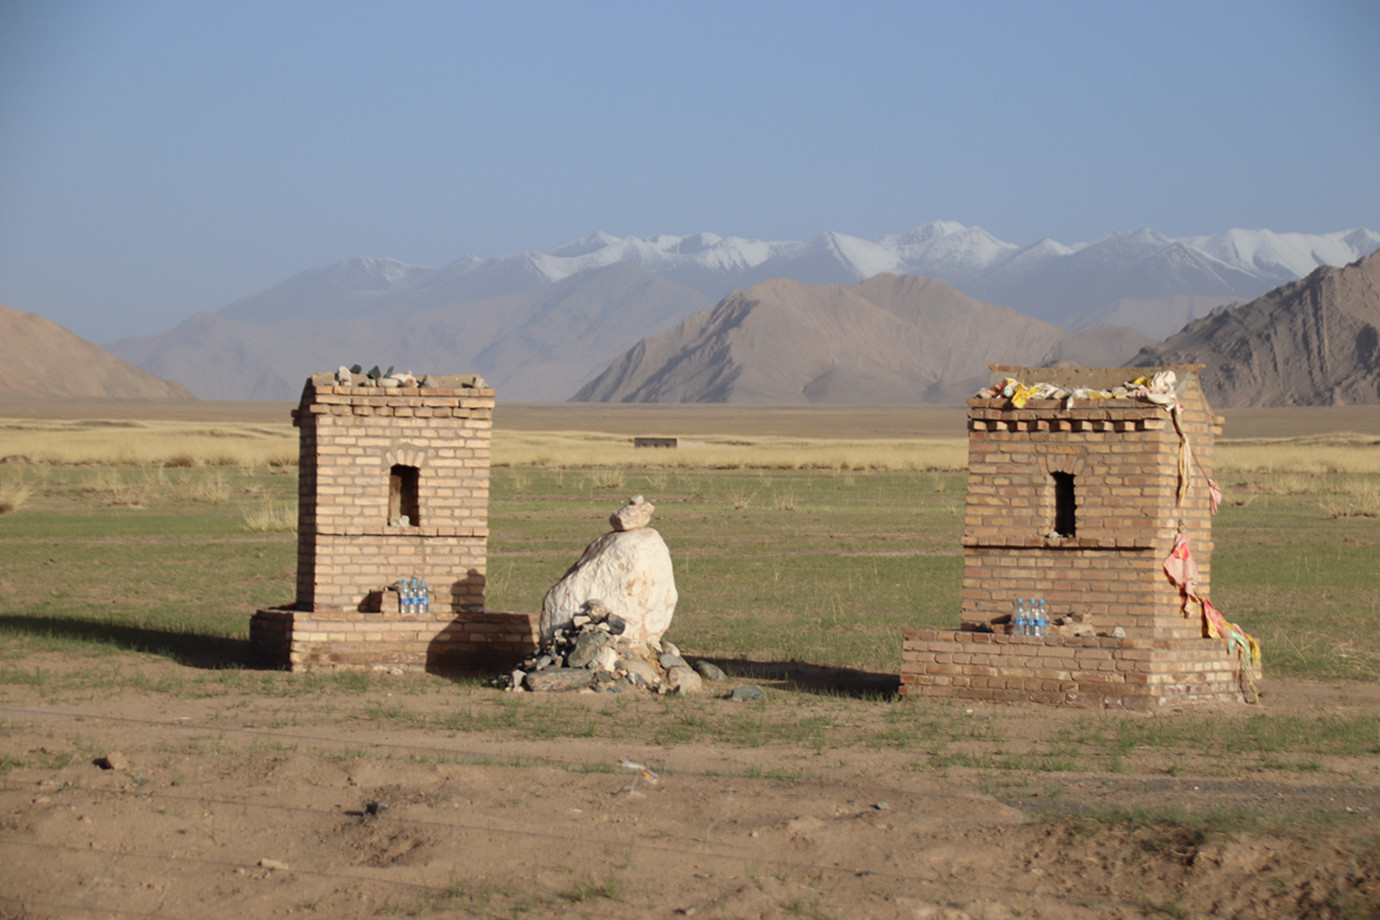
<point x="817" y="567"/>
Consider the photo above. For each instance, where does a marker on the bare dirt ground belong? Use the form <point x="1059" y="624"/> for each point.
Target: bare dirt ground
<point x="245" y="805"/>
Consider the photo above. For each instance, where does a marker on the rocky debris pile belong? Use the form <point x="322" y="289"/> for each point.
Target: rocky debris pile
<point x="1159" y="388"/>
<point x="356" y="377"/>
<point x="1074" y="624"/>
<point x="595" y="652"/>
<point x="627" y="570"/>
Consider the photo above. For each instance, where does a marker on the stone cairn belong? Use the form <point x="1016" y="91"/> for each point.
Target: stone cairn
<point x="592" y="653"/>
<point x="602" y="623"/>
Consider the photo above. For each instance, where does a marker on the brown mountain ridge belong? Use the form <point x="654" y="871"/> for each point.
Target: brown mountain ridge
<point x="888" y="339"/>
<point x="1313" y="342"/>
<point x="44" y="360"/>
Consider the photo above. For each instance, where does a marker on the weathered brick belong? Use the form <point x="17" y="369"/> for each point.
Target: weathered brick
<point x="1123" y="456"/>
<point x="350" y="438"/>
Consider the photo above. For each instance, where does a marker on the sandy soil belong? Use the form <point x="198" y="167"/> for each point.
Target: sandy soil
<point x="244" y="806"/>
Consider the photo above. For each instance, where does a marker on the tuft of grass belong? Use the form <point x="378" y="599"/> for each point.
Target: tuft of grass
<point x="1352" y="497"/>
<point x="212" y="488"/>
<point x="14" y="495"/>
<point x="741" y="499"/>
<point x="273" y="517"/>
<point x="608" y="889"/>
<point x="604" y="478"/>
<point x="35" y="678"/>
<point x="128" y="491"/>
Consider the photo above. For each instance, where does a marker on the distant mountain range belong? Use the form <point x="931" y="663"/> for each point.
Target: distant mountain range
<point x="540" y="326"/>
<point x="537" y="346"/>
<point x="903" y="339"/>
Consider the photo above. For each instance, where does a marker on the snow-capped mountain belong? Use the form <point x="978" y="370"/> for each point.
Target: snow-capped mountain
<point x="350" y="288"/>
<point x="1286" y="256"/>
<point x="946" y="248"/>
<point x="1070" y="285"/>
<point x="1140" y="279"/>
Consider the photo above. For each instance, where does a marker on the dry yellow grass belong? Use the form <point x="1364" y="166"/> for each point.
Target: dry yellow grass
<point x="585" y="449"/>
<point x="840" y="423"/>
<point x="1301" y="421"/>
<point x="1335" y="453"/>
<point x="588" y="436"/>
<point x="148" y="442"/>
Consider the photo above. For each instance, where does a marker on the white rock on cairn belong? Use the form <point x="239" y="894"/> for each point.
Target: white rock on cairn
<point x="637" y="513"/>
<point x="627" y="570"/>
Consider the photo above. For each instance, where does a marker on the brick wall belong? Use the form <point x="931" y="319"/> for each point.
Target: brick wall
<point x="393" y="484"/>
<point x="439" y="643"/>
<point x="1098" y="671"/>
<point x="1080" y="504"/>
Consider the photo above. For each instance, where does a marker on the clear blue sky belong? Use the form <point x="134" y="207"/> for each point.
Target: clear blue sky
<point x="162" y="158"/>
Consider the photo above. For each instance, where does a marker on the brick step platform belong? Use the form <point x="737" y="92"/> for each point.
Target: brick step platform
<point x="435" y="642"/>
<point x="1092" y="671"/>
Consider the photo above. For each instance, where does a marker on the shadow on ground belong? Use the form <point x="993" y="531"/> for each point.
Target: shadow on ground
<point x="199" y="650"/>
<point x="196" y="650"/>
<point x="813" y="678"/>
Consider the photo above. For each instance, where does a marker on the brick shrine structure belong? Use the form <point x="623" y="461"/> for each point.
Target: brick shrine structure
<point x="1080" y="506"/>
<point x="393" y="484"/>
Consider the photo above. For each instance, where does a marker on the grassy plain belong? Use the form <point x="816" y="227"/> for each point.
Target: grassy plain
<point x="799" y="534"/>
<point x="137" y="544"/>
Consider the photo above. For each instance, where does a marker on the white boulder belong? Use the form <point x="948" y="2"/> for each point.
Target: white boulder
<point x="629" y="573"/>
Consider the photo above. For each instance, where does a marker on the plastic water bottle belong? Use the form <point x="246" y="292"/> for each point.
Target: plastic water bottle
<point x="1041" y="617"/>
<point x="1020" y="619"/>
<point x="424" y="597"/>
<point x="410" y="596"/>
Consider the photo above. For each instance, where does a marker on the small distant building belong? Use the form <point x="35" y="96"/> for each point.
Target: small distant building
<point x="658" y="441"/>
<point x="1080" y="501"/>
<point x="393" y="486"/>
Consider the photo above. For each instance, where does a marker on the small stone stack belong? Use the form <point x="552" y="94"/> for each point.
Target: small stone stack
<point x="592" y="653"/>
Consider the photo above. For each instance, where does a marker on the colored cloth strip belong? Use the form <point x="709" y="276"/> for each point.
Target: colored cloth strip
<point x="1182" y="570"/>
